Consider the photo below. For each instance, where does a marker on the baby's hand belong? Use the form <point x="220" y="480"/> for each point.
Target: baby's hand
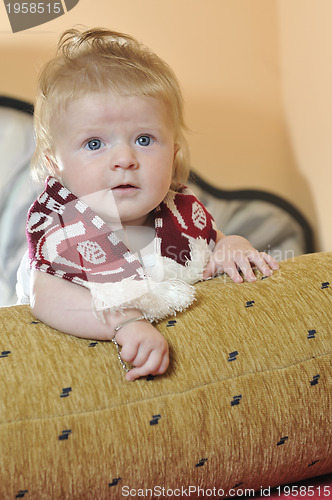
<point x="233" y="254"/>
<point x="143" y="347"/>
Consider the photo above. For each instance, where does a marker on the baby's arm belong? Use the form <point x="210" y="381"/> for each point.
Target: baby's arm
<point x="68" y="308"/>
<point x="233" y="254"/>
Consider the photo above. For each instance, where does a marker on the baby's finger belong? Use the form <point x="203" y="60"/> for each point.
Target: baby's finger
<point x="211" y="269"/>
<point x="270" y="261"/>
<point x="163" y="366"/>
<point x="245" y="267"/>
<point x="149" y="367"/>
<point x="264" y="262"/>
<point x="129" y="351"/>
<point x="258" y="261"/>
<point x="231" y="269"/>
<point x="141" y="356"/>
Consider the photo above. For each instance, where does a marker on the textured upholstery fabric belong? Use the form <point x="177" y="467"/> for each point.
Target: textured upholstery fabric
<point x="246" y="402"/>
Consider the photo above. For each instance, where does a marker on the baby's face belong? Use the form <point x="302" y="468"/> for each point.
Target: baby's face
<point x="116" y="153"/>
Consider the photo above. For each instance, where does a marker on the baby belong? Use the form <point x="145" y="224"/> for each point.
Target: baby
<point x="115" y="217"/>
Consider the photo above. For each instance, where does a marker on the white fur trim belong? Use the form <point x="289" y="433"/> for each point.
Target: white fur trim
<point x="167" y="290"/>
<point x="154" y="299"/>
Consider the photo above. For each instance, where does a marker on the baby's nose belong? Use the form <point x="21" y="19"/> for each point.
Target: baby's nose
<point x="123" y="157"/>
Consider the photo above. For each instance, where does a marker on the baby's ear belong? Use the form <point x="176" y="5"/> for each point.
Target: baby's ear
<point x="51" y="164"/>
<point x="176" y="150"/>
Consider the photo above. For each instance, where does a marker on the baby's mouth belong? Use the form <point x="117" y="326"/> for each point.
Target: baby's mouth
<point x="124" y="188"/>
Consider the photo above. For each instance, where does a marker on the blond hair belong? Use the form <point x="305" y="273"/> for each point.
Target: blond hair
<point x="102" y="60"/>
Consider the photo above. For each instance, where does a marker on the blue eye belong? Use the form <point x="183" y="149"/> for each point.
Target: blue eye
<point x="144" y="140"/>
<point x="94" y="144"/>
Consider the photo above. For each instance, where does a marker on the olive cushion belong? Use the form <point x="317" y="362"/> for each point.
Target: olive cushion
<point x="245" y="403"/>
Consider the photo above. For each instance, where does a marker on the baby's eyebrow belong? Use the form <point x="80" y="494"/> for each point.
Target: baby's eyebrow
<point x="150" y="128"/>
<point x="88" y="134"/>
<point x="88" y="130"/>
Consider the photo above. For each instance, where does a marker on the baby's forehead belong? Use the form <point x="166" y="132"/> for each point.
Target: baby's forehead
<point x="102" y="110"/>
<point x="85" y="96"/>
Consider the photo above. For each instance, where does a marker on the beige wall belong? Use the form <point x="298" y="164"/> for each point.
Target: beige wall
<point x="242" y="64"/>
<point x="306" y="69"/>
